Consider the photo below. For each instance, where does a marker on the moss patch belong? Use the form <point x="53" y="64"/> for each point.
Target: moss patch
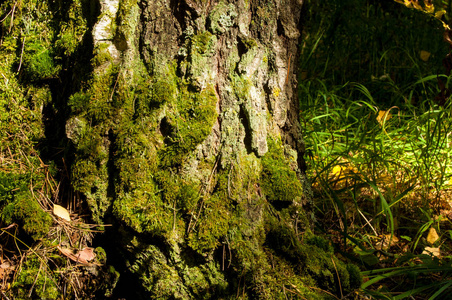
<point x="188" y="122"/>
<point x="279" y="181"/>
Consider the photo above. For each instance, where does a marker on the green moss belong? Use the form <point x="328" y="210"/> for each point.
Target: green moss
<point x="249" y="43"/>
<point x="101" y="55"/>
<point x="163" y="91"/>
<point x="139" y="203"/>
<point x="279" y="181"/>
<point x="188" y="123"/>
<point x="72" y="27"/>
<point x="34" y="281"/>
<point x="211" y="224"/>
<point x="204" y="44"/>
<point x="315" y="258"/>
<point x="78" y="101"/>
<point x="157" y="276"/>
<point x="38" y="62"/>
<point x="25" y="210"/>
<point x="91" y="179"/>
<point x="142" y="210"/>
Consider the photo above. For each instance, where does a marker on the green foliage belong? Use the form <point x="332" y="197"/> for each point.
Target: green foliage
<point x="279" y="181"/>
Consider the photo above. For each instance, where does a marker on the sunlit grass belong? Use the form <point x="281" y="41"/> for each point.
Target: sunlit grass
<point x="378" y="144"/>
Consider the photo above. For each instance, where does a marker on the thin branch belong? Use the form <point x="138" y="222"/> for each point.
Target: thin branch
<point x="21" y="56"/>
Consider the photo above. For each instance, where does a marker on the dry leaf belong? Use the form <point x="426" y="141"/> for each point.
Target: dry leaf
<point x="83" y="256"/>
<point x="5" y="265"/>
<point x="383" y="116"/>
<point x="86" y="254"/>
<point x="386" y="242"/>
<point x="61" y="212"/>
<point x="416" y="4"/>
<point x="337" y="170"/>
<point x="429" y="7"/>
<point x="432" y="236"/>
<point x="425" y="55"/>
<point x="440" y="13"/>
<point x="432" y="251"/>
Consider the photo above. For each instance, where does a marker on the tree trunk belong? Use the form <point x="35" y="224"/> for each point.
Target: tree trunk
<point x="182" y="118"/>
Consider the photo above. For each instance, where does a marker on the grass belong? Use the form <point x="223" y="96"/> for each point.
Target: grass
<point x="378" y="144"/>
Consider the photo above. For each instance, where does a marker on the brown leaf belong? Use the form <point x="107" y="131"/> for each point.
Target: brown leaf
<point x="83" y="256"/>
<point x="86" y="254"/>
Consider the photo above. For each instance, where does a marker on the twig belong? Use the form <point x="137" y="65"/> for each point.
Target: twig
<point x="12" y="17"/>
<point x="288" y="69"/>
<point x="6" y="80"/>
<point x="114" y="87"/>
<point x="1" y="21"/>
<point x="21" y="55"/>
<point x="189" y="228"/>
<point x="34" y="282"/>
<point x="326" y="292"/>
<point x="338" y="278"/>
<point x="367" y="221"/>
<point x="4" y="296"/>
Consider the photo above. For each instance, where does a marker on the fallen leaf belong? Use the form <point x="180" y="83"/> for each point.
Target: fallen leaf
<point x="432" y="236"/>
<point x="61" y="212"/>
<point x="425" y="55"/>
<point x="5" y="265"/>
<point x="440" y="13"/>
<point x="386" y="242"/>
<point x="429" y="7"/>
<point x="86" y="254"/>
<point x="383" y="116"/>
<point x="83" y="256"/>
<point x="337" y="170"/>
<point x="432" y="251"/>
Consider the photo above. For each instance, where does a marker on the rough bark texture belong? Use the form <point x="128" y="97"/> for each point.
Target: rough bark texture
<point x="182" y="127"/>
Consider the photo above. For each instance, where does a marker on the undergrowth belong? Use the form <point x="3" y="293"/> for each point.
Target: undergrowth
<point x="377" y="124"/>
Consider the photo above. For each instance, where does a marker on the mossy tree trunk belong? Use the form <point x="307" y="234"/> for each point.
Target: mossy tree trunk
<point x="183" y="133"/>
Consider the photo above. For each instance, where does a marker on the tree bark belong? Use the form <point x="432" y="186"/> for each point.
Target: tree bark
<point x="182" y="118"/>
